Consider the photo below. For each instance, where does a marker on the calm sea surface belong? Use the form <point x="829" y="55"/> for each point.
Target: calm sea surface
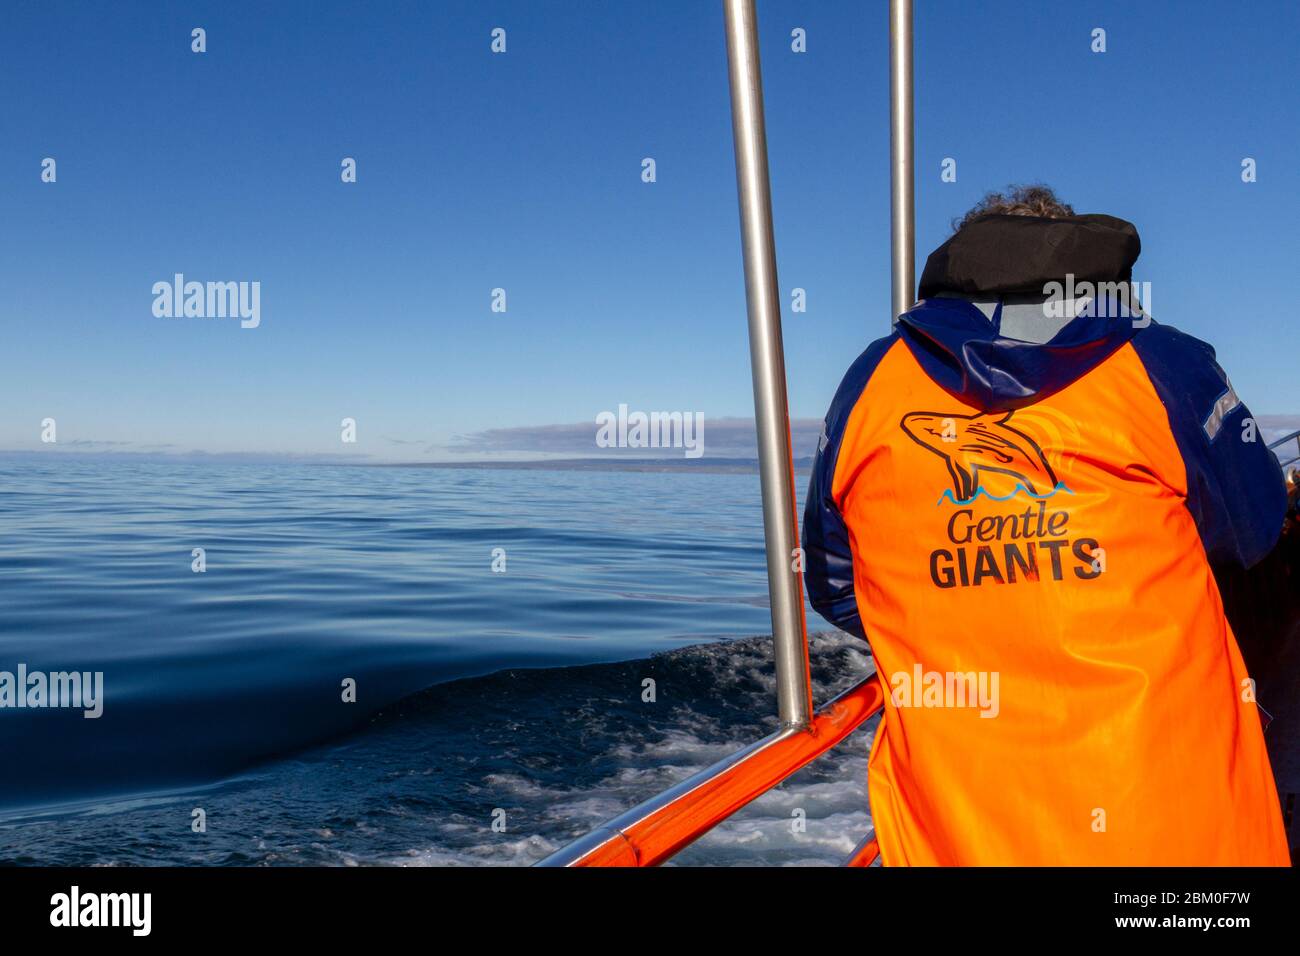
<point x="512" y="696"/>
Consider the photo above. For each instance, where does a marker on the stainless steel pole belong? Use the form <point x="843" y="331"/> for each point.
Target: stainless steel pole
<point x="901" y="170"/>
<point x="767" y="361"/>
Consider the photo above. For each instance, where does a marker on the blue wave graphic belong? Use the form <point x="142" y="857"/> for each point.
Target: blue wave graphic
<point x="1020" y="486"/>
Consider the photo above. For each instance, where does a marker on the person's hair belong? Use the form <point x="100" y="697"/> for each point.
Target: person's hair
<point x="1032" y="200"/>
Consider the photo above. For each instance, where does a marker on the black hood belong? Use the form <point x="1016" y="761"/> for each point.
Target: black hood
<point x="1019" y="255"/>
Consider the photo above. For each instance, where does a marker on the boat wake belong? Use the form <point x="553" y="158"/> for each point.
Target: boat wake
<point x="500" y="770"/>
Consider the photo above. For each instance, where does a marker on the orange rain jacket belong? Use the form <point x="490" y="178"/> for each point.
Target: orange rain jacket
<point x="1026" y="534"/>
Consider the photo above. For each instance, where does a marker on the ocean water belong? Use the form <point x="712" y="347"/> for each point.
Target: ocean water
<point x="510" y="697"/>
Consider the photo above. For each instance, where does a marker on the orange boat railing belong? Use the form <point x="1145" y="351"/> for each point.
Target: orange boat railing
<point x="650" y="833"/>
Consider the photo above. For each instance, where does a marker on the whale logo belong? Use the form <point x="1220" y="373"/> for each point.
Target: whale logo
<point x="982" y="452"/>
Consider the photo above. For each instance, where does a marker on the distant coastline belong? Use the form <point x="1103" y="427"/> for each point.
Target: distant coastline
<point x="568" y="445"/>
<point x="706" y="465"/>
<point x="699" y="465"/>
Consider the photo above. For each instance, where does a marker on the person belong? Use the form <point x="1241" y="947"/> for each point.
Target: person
<point x="1019" y="499"/>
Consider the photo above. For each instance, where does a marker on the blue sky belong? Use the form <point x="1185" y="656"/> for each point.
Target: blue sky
<point x="523" y="171"/>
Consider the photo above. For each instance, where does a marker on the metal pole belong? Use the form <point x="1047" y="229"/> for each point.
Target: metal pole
<point x="767" y="361"/>
<point x="902" y="201"/>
